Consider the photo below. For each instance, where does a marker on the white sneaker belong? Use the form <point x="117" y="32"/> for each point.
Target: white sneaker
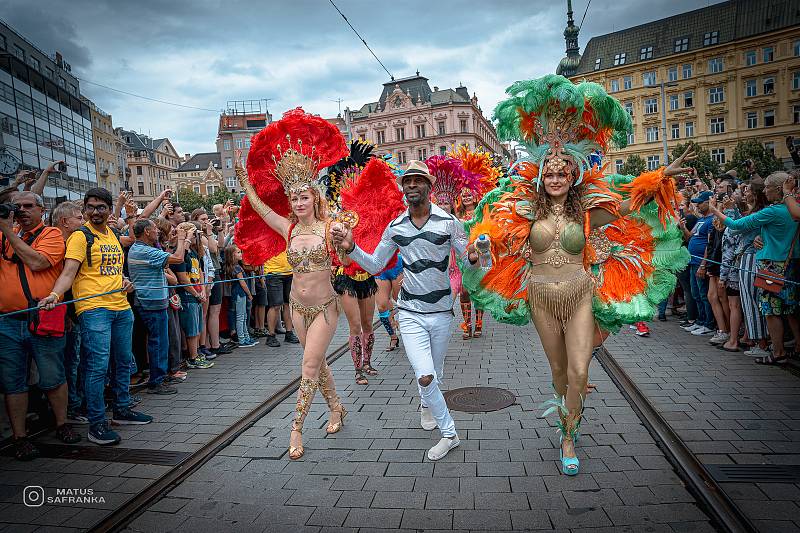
<point x="443" y="448"/>
<point x="721" y="337"/>
<point x="691" y="327"/>
<point x="702" y="330"/>
<point x="426" y="419"/>
<point x="756" y="351"/>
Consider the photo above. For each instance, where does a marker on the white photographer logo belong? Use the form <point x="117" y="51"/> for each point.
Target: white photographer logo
<point x="33" y="496"/>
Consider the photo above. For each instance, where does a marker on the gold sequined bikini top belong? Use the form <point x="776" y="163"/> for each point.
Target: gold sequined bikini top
<point x="555" y="245"/>
<point x="314" y="259"/>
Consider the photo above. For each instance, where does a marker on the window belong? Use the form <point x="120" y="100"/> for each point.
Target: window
<point x="440" y="125"/>
<point x="652" y="134"/>
<point x="797" y="49"/>
<point x="597" y="64"/>
<point x="672" y="74"/>
<point x="618" y="165"/>
<point x="400" y="134"/>
<point x="769" y="54"/>
<point x="380" y="137"/>
<point x="138" y="170"/>
<point x="19" y="52"/>
<point x="769" y="85"/>
<point x="443" y="150"/>
<point x="689" y="129"/>
<point x="631" y="137"/>
<point x="627" y="82"/>
<point x="796" y="114"/>
<point x="228" y="162"/>
<point x="3" y="43"/>
<point x="769" y="118"/>
<point x="226" y="144"/>
<point x="687" y="71"/>
<point x="718" y="155"/>
<point x="650" y="106"/>
<point x="649" y="78"/>
<point x="197" y="189"/>
<point x="614" y="86"/>
<point x="716" y="65"/>
<point x="752" y="120"/>
<point x="423" y="154"/>
<point x="676" y="131"/>
<point x="463" y="124"/>
<point x="688" y="99"/>
<point x="239" y="144"/>
<point x="211" y="189"/>
<point x="717" y="125"/>
<point x="750" y="58"/>
<point x="673" y="102"/>
<point x="401" y="158"/>
<point x="796" y="80"/>
<point x="628" y="107"/>
<point x="681" y="45"/>
<point x="770" y="147"/>
<point x="420" y="131"/>
<point x="49" y="72"/>
<point x="35" y="63"/>
<point x="646" y="53"/>
<point x="230" y="182"/>
<point x="710" y="38"/>
<point x="653" y="162"/>
<point x="619" y="59"/>
<point x="141" y="188"/>
<point x="750" y="88"/>
<point x="247" y="144"/>
<point x="716" y="95"/>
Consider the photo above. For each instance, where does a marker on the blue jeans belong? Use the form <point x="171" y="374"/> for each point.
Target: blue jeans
<point x="662" y="307"/>
<point x="72" y="359"/>
<point x="240" y="304"/>
<point x="157" y="324"/>
<point x="17" y="346"/>
<point x="705" y="316"/>
<point x="105" y="335"/>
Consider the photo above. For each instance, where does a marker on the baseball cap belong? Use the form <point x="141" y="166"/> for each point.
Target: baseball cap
<point x="702" y="197"/>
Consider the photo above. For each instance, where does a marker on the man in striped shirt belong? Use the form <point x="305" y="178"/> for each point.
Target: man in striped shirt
<point x="424" y="235"/>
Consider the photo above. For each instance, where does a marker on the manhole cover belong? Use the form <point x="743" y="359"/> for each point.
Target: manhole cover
<point x="479" y="399"/>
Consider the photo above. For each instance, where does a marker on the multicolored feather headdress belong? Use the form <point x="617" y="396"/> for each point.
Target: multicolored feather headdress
<point x="451" y="178"/>
<point x="560" y="124"/>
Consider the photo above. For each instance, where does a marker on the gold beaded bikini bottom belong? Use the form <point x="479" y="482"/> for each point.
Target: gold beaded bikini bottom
<point x="310" y="312"/>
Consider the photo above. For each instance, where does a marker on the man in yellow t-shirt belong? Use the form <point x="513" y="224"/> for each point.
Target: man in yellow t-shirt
<point x="278" y="275"/>
<point x="93" y="265"/>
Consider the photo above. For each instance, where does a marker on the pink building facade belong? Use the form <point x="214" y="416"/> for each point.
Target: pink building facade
<point x="411" y="121"/>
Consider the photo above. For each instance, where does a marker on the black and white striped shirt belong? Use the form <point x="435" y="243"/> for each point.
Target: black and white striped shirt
<point x="426" y="257"/>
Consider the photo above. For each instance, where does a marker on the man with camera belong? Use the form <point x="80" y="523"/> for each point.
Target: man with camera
<point x="32" y="260"/>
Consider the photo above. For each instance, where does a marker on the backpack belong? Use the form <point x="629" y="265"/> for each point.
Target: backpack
<point x="90" y="241"/>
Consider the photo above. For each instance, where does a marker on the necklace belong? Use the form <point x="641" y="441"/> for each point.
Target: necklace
<point x="557" y="259"/>
<point x="310" y="229"/>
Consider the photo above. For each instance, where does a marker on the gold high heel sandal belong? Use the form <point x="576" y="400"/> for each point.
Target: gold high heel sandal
<point x="335" y="427"/>
<point x="305" y="395"/>
<point x="328" y="390"/>
<point x="296" y="452"/>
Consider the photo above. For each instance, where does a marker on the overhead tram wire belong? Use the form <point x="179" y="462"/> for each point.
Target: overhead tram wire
<point x="147" y="97"/>
<point x="584" y="14"/>
<point x="362" y="40"/>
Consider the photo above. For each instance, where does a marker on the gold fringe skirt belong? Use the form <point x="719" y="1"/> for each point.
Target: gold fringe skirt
<point x="559" y="295"/>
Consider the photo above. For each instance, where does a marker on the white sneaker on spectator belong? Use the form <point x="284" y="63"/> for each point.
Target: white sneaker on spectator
<point x="692" y="327"/>
<point x="757" y="351"/>
<point x="426" y="419"/>
<point x="443" y="448"/>
<point x="720" y="337"/>
<point x="702" y="330"/>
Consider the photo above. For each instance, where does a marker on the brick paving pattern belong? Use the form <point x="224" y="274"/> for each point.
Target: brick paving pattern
<point x="726" y="408"/>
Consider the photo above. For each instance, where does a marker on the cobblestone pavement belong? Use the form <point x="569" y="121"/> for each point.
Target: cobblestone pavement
<point x="727" y="409"/>
<point x="206" y="405"/>
<point x="374" y="476"/>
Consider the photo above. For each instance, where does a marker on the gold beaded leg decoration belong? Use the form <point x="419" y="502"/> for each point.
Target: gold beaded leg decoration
<point x="478" y="323"/>
<point x="328" y="389"/>
<point x="466" y="312"/>
<point x="305" y="395"/>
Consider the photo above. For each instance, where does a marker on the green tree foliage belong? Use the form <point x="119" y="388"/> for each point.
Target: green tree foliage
<point x="765" y="161"/>
<point x="633" y="166"/>
<point x="704" y="165"/>
<point x="190" y="200"/>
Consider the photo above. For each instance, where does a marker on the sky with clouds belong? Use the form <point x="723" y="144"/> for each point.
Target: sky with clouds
<point x="204" y="53"/>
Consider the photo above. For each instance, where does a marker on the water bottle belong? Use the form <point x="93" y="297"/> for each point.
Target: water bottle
<point x="484" y="248"/>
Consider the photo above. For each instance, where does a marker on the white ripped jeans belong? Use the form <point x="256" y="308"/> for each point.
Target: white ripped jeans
<point x="425" y="339"/>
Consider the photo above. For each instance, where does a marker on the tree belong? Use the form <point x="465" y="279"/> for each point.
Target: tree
<point x="191" y="200"/>
<point x="703" y="164"/>
<point x="633" y="166"/>
<point x="765" y="161"/>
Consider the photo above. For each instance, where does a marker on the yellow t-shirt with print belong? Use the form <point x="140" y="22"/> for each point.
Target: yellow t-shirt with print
<point x="104" y="275"/>
<point x="278" y="265"/>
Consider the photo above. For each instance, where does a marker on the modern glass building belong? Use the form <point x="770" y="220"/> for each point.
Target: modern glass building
<point x="42" y="118"/>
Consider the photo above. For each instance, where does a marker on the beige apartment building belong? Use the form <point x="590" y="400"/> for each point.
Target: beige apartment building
<point x="151" y="162"/>
<point x="241" y="120"/>
<point x="106" y="147"/>
<point x="411" y="121"/>
<point x="201" y="173"/>
<point x="721" y="74"/>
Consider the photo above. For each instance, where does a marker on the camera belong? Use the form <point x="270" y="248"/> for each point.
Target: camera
<point x="61" y="167"/>
<point x="8" y="209"/>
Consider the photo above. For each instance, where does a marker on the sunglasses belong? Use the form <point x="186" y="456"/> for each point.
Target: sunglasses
<point x="26" y="205"/>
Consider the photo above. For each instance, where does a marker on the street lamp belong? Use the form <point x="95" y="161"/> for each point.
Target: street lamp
<point x="664" y="117"/>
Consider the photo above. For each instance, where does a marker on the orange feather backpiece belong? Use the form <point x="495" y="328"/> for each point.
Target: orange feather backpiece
<point x="654" y="185"/>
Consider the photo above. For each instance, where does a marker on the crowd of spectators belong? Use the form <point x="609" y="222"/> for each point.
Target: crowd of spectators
<point x="158" y="292"/>
<point x="741" y="284"/>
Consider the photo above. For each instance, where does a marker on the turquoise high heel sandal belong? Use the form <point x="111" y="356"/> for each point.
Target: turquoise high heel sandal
<point x="569" y="465"/>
